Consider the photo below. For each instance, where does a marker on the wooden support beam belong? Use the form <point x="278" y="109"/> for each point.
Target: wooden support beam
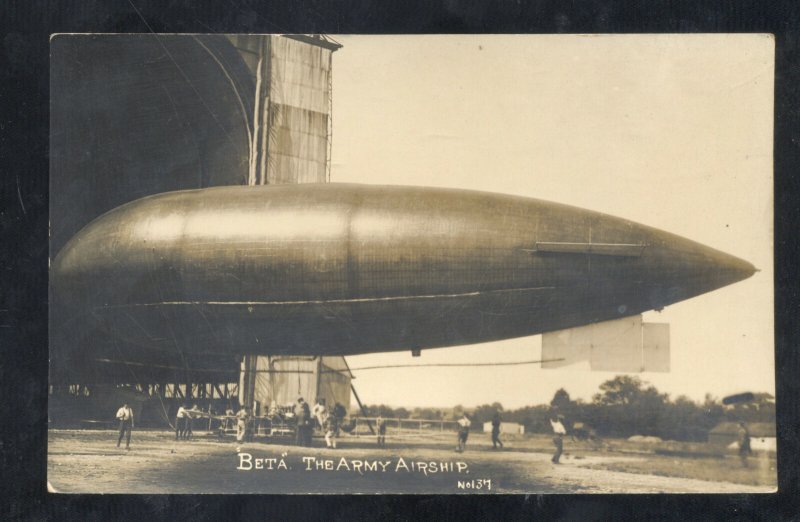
<point x="363" y="409"/>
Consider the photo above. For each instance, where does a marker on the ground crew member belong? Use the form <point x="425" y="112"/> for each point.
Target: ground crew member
<point x="302" y="414"/>
<point x="463" y="432"/>
<point x="381" y="425"/>
<point x="320" y="412"/>
<point x="189" y="421"/>
<point x="125" y="416"/>
<point x="744" y="443"/>
<point x="496" y="431"/>
<point x="557" y="423"/>
<point x="180" y="422"/>
<point x="331" y="430"/>
<point x="241" y="424"/>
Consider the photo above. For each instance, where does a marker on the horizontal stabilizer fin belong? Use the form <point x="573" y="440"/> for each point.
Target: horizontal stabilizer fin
<point x="600" y="249"/>
<point x="621" y="345"/>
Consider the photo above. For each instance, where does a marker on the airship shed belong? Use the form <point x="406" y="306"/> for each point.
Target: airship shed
<point x="137" y="115"/>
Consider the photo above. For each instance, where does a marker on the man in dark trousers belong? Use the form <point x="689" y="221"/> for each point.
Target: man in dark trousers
<point x="189" y="421"/>
<point x="463" y="432"/>
<point x="557" y="423"/>
<point x="496" y="431"/>
<point x="380" y="423"/>
<point x="302" y="414"/>
<point x="180" y="422"/>
<point x="242" y="419"/>
<point x="744" y="443"/>
<point x="125" y="416"/>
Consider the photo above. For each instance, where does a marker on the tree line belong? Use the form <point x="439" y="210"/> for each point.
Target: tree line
<point x="624" y="406"/>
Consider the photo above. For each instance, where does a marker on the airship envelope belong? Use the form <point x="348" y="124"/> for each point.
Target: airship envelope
<point x="342" y="269"/>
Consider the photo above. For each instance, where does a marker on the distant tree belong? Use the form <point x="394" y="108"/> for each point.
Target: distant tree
<point x="647" y="409"/>
<point x="625" y="407"/>
<point x="401" y="413"/>
<point x="566" y="407"/>
<point x="427" y="413"/>
<point x="561" y="399"/>
<point x="485" y="412"/>
<point x="379" y="409"/>
<point x="386" y="411"/>
<point x="457" y="412"/>
<point x="622" y="390"/>
<point x="534" y="418"/>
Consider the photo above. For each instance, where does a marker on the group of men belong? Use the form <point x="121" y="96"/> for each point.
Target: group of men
<point x="464" y="424"/>
<point x="305" y="420"/>
<point x="556" y="423"/>
<point x="183" y="421"/>
<point x="328" y="421"/>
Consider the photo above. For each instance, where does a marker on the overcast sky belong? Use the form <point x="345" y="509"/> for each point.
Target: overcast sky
<point x="673" y="131"/>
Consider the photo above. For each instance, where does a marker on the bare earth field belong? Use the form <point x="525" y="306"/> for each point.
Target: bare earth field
<point x="88" y="461"/>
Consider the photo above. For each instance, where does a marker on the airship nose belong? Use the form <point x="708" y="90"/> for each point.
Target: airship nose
<point x="685" y="269"/>
<point x="737" y="269"/>
<point x="723" y="269"/>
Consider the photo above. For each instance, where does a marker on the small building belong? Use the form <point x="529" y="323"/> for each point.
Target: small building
<point x="505" y="427"/>
<point x="762" y="435"/>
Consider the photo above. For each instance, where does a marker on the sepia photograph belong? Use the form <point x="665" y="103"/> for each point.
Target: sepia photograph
<point x="439" y="264"/>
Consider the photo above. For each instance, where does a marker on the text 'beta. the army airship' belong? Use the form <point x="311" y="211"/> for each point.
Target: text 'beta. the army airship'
<point x="346" y="269"/>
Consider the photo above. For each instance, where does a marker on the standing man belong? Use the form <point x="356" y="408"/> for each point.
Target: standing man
<point x="340" y="412"/>
<point x="557" y="423"/>
<point x="331" y="430"/>
<point x="744" y="443"/>
<point x="320" y="412"/>
<point x="496" y="431"/>
<point x="189" y="421"/>
<point x="241" y="424"/>
<point x="252" y="425"/>
<point x="125" y="416"/>
<point x="463" y="432"/>
<point x="180" y="422"/>
<point x="381" y="425"/>
<point x="302" y="415"/>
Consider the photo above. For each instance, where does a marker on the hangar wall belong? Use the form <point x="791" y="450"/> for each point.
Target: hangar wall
<point x="290" y="144"/>
<point x="135" y="115"/>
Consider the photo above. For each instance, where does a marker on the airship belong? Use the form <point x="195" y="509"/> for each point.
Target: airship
<point x="341" y="269"/>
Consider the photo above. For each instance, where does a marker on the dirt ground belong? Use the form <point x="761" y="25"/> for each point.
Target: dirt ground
<point x="89" y="461"/>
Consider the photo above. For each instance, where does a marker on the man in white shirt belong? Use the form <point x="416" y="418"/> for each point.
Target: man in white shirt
<point x="242" y="418"/>
<point x="557" y="423"/>
<point x="320" y="412"/>
<point x="125" y="416"/>
<point x="180" y="423"/>
<point x="463" y="432"/>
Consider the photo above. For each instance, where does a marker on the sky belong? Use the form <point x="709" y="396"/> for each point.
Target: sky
<point x="672" y="131"/>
